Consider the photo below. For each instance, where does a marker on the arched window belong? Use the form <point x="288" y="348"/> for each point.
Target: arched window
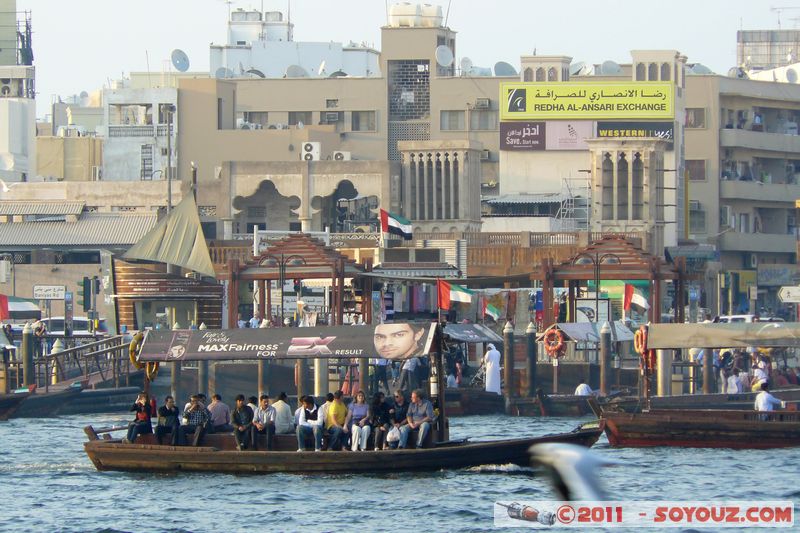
<point x="540" y="74"/>
<point x="607" y="187"/>
<point x="665" y="72"/>
<point x="640" y="72"/>
<point x="528" y="74"/>
<point x="637" y="183"/>
<point x="622" y="187"/>
<point x="552" y="74"/>
<point x="652" y="72"/>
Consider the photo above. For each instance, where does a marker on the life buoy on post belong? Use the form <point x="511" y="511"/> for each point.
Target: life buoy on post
<point x="151" y="370"/>
<point x="640" y="340"/>
<point x="553" y="342"/>
<point x="133" y="350"/>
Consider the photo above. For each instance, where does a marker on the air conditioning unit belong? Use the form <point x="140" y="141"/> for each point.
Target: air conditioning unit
<point x="694" y="205"/>
<point x="485" y="154"/>
<point x="279" y="127"/>
<point x="341" y="156"/>
<point x="10" y="88"/>
<point x="331" y="117"/>
<point x="482" y="103"/>
<point x="311" y="151"/>
<point x="752" y="260"/>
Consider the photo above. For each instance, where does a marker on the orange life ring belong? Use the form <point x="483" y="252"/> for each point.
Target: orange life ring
<point x="133" y="350"/>
<point x="553" y="342"/>
<point x="640" y="340"/>
<point x="151" y="370"/>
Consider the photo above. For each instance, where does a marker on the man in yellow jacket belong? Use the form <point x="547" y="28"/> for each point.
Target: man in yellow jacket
<point x="335" y="416"/>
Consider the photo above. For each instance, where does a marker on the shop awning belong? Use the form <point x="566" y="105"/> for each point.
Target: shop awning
<point x="738" y="335"/>
<point x="471" y="333"/>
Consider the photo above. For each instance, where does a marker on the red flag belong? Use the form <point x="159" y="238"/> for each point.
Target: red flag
<point x="4" y="314"/>
<point x="443" y="295"/>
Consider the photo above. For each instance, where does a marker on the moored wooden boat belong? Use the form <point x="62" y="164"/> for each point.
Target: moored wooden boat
<point x="703" y="428"/>
<point x="218" y="455"/>
<point x="9" y="403"/>
<point x="471" y="401"/>
<point x="741" y="401"/>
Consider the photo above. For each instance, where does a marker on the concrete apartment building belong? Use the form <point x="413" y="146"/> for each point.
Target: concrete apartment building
<point x="743" y="165"/>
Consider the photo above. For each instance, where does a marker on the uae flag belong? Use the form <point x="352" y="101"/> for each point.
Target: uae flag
<point x="395" y="224"/>
<point x="449" y="292"/>
<point x="634" y="297"/>
<point x="490" y="310"/>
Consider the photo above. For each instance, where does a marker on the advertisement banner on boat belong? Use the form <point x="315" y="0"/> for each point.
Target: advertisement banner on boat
<point x="395" y="341"/>
<point x="641" y="514"/>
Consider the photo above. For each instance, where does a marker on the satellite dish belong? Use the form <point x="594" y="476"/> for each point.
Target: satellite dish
<point x="296" y="71"/>
<point x="223" y="72"/>
<point x="180" y="60"/>
<point x="699" y="68"/>
<point x="610" y="67"/>
<point x="321" y="69"/>
<point x="300" y="125"/>
<point x="791" y="75"/>
<point x="84" y="94"/>
<point x="501" y="68"/>
<point x="466" y="64"/>
<point x="256" y="73"/>
<point x="444" y="56"/>
<point x="576" y="68"/>
<point x="338" y="74"/>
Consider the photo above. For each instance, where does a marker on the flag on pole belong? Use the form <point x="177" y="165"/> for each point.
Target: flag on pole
<point x="4" y="314"/>
<point x="634" y="297"/>
<point x="489" y="310"/>
<point x="449" y="292"/>
<point x="395" y="224"/>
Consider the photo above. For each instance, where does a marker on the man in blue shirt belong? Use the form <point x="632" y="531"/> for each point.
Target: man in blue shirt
<point x="419" y="417"/>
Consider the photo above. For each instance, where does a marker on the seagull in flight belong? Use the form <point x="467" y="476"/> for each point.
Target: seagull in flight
<point x="6" y="188"/>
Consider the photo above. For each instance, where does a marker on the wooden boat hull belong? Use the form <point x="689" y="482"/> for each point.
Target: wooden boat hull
<point x="703" y="429"/>
<point x="468" y="401"/>
<point x="46" y="404"/>
<point x="9" y="403"/>
<point x="553" y="405"/>
<point x="114" y="455"/>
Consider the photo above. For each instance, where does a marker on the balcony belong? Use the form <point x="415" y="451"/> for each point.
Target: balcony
<point x="761" y="192"/>
<point x="758" y="140"/>
<point x="758" y="242"/>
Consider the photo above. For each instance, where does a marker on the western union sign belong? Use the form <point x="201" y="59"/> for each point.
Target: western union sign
<point x="587" y="101"/>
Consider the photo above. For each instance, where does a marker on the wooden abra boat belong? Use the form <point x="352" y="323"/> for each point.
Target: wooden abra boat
<point x="9" y="403"/>
<point x="703" y="428"/>
<point x="218" y="454"/>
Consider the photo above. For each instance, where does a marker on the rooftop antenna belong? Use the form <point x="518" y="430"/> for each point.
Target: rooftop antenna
<point x="147" y="60"/>
<point x="447" y="15"/>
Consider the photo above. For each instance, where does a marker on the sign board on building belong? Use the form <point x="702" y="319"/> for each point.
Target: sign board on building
<point x="584" y="100"/>
<point x="776" y="275"/>
<point x="522" y="135"/>
<point x="789" y="295"/>
<point x="637" y="130"/>
<point x="568" y="134"/>
<point x="586" y="310"/>
<point x="49" y="292"/>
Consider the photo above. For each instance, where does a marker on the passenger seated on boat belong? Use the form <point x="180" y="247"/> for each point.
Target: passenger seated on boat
<point x="242" y="419"/>
<point x="141" y="423"/>
<point x="359" y="422"/>
<point x="263" y="422"/>
<point x="195" y="421"/>
<point x="766" y="401"/>
<point x="452" y="382"/>
<point x="335" y="416"/>
<point x="220" y="415"/>
<point x="420" y="416"/>
<point x="284" y="420"/>
<point x="583" y="389"/>
<point x="398" y="414"/>
<point x="168" y="421"/>
<point x="309" y="425"/>
<point x="381" y="421"/>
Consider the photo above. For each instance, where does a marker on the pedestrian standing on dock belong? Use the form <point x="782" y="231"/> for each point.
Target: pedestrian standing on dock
<point x="141" y="424"/>
<point x="491" y="361"/>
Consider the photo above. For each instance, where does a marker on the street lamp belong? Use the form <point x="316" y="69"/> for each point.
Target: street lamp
<point x="596" y="260"/>
<point x="281" y="262"/>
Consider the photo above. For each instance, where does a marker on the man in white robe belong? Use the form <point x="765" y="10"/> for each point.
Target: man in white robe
<point x="491" y="363"/>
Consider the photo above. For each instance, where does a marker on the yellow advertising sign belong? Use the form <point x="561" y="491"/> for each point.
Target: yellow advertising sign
<point x="587" y="101"/>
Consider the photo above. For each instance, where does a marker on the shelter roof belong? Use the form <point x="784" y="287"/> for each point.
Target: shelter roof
<point x="619" y="259"/>
<point x="12" y="208"/>
<point x="91" y="229"/>
<point x="526" y="198"/>
<point x="302" y="256"/>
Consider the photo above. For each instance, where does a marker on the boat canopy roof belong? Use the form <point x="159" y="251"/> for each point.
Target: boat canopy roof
<point x="737" y="335"/>
<point x="395" y="341"/>
<point x="471" y="333"/>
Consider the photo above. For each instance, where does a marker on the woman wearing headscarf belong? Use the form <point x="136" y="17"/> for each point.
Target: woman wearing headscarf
<point x="491" y="363"/>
